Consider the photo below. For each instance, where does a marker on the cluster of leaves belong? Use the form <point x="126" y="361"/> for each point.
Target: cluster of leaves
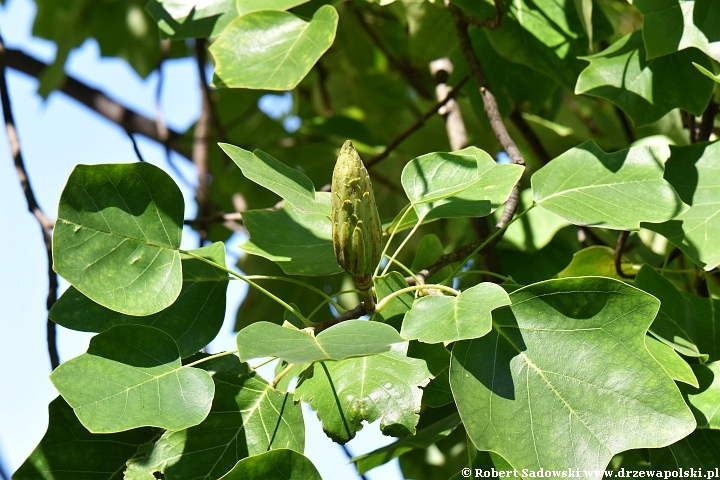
<point x="573" y="356"/>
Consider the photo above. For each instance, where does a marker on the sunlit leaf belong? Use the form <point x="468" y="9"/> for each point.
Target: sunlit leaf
<point x="117" y="236"/>
<point x="540" y="391"/>
<point x="130" y="377"/>
<point x="668" y="358"/>
<point x="181" y="19"/>
<point x="279" y="464"/>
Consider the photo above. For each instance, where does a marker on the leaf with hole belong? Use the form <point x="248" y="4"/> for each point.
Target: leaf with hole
<point x="131" y="376"/>
<point x="117" y="236"/>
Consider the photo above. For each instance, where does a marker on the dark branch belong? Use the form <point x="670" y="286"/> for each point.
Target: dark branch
<point x="619" y="249"/>
<point x="136" y="148"/>
<point x="490" y="24"/>
<point x="96" y="100"/>
<point x="530" y="136"/>
<point x="200" y="154"/>
<point x="46" y="224"/>
<point x="351" y="314"/>
<point x="708" y="121"/>
<point x="416" y="126"/>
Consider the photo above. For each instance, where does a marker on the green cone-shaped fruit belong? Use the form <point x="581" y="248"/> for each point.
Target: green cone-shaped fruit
<point x="357" y="230"/>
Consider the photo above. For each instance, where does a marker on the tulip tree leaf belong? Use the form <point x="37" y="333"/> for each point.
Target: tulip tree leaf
<point x="675" y="322"/>
<point x="248" y="6"/>
<point x="271" y="50"/>
<point x="674" y="365"/>
<point x="467" y="183"/>
<point x="435" y="319"/>
<point x="281" y="464"/>
<point x="68" y="451"/>
<point x="193" y="320"/>
<point x="595" y="261"/>
<point x="289" y="183"/>
<point x="543" y="372"/>
<point x="247" y="418"/>
<point x="616" y="190"/>
<point x="117" y="236"/>
<point x="700" y="449"/>
<point x="705" y="399"/>
<point x="707" y="318"/>
<point x="422" y="439"/>
<point x="384" y="386"/>
<point x="694" y="171"/>
<point x="708" y="73"/>
<point x="646" y="89"/>
<point x="672" y="25"/>
<point x="130" y="377"/>
<point x="181" y="19"/>
<point x="352" y="338"/>
<point x="300" y="243"/>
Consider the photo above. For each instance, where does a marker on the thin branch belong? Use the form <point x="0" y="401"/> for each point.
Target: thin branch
<point x="200" y="154"/>
<point x="530" y="136"/>
<point x="416" y="126"/>
<point x="619" y="249"/>
<point x="708" y="121"/>
<point x="218" y="218"/>
<point x="490" y="24"/>
<point x="45" y="223"/>
<point x="126" y="118"/>
<point x="351" y="314"/>
<point x="138" y="153"/>
<point x="441" y="69"/>
<point x="349" y="456"/>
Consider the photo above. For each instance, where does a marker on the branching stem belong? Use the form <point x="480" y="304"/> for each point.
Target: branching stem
<point x="385" y="301"/>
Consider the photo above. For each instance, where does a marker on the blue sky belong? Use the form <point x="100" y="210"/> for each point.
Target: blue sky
<point x="56" y="134"/>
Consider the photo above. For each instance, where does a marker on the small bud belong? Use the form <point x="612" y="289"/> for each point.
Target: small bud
<point x="357" y="230"/>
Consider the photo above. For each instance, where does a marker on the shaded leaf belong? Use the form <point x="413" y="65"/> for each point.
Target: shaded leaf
<point x="248" y="6"/>
<point x="422" y="439"/>
<point x="181" y="19"/>
<point x="300" y="243"/>
<point x="467" y="183"/>
<point x="672" y="25"/>
<point x="539" y="389"/>
<point x="435" y="319"/>
<point x="384" y="386"/>
<point x="700" y="449"/>
<point x="351" y="338"/>
<point x="289" y="183"/>
<point x="705" y="399"/>
<point x="672" y="363"/>
<point x="281" y="464"/>
<point x="393" y="313"/>
<point x="247" y="418"/>
<point x="646" y="89"/>
<point x="131" y="376"/>
<point x="707" y="318"/>
<point x="117" y="236"/>
<point x="675" y="322"/>
<point x="68" y="451"/>
<point x="192" y="321"/>
<point x="616" y="190"/>
<point x="272" y="50"/>
<point x="694" y="171"/>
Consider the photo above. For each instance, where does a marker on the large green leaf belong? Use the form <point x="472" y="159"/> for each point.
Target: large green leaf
<point x="352" y="338"/>
<point x="131" y="376"/>
<point x="705" y="399"/>
<point x="181" y="19"/>
<point x="422" y="439"/>
<point x="564" y="380"/>
<point x="279" y="464"/>
<point x="300" y="243"/>
<point x="675" y="323"/>
<point x="68" y="451"/>
<point x="646" y="89"/>
<point x="467" y="183"/>
<point x="383" y="387"/>
<point x="272" y="50"/>
<point x="672" y="25"/>
<point x="193" y="320"/>
<point x="435" y="319"/>
<point x="694" y="171"/>
<point x="289" y="183"/>
<point x="616" y="190"/>
<point x="247" y="418"/>
<point x="117" y="236"/>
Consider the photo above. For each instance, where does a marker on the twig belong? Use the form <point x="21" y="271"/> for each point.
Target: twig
<point x="619" y="248"/>
<point x="97" y="101"/>
<point x="46" y="224"/>
<point x="689" y="123"/>
<point x="416" y="126"/>
<point x="530" y="136"/>
<point x="349" y="457"/>
<point x="218" y="218"/>
<point x="351" y="314"/>
<point x="707" y="122"/>
<point x="441" y="69"/>
<point x="138" y="153"/>
<point x="490" y="24"/>
<point x="200" y="139"/>
<point x="411" y="74"/>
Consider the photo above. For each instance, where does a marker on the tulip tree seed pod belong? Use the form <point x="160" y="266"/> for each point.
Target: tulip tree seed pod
<point x="357" y="230"/>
